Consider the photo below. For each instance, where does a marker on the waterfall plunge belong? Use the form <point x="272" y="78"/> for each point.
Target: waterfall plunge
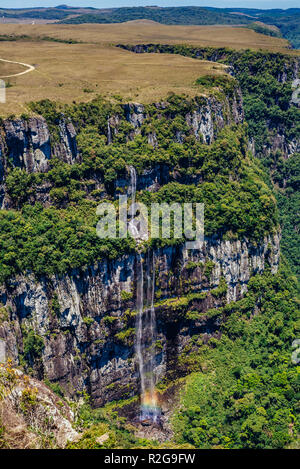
<point x="146" y="338"/>
<point x="131" y="226"/>
<point x="145" y="323"/>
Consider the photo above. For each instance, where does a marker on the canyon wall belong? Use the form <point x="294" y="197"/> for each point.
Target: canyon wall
<point x="29" y="145"/>
<point x="278" y="139"/>
<point x="86" y="318"/>
<point x="78" y="329"/>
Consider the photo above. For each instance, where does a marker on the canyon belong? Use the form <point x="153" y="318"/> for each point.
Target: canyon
<point x="86" y="318"/>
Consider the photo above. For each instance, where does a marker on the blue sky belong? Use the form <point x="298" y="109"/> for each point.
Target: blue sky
<point x="117" y="3"/>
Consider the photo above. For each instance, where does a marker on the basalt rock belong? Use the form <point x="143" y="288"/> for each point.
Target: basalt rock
<point x="278" y="140"/>
<point x="28" y="144"/>
<point x="66" y="149"/>
<point x="29" y="423"/>
<point x="89" y="342"/>
<point x="135" y="114"/>
<point x="86" y="318"/>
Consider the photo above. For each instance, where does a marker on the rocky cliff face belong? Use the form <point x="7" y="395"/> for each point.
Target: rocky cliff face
<point x="26" y="144"/>
<point x="86" y="319"/>
<point x="29" y="145"/>
<point x="277" y="140"/>
<point x="66" y="149"/>
<point x="204" y="122"/>
<point x="33" y="416"/>
<point x="78" y="330"/>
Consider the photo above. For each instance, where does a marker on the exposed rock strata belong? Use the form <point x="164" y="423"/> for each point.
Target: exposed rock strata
<point x="84" y="345"/>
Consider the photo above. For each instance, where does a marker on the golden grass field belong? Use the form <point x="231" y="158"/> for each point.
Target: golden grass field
<point x="141" y="31"/>
<point x="10" y="69"/>
<point x="67" y="72"/>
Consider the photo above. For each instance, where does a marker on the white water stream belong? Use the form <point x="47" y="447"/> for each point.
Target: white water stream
<point x="145" y="321"/>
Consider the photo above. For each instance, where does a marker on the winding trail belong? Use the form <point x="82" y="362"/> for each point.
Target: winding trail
<point x="30" y="68"/>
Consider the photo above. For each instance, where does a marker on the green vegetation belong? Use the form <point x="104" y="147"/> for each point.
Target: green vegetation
<point x="126" y="295"/>
<point x="190" y="265"/>
<point x="227" y="84"/>
<point x="33" y="345"/>
<point x="264" y="29"/>
<point x="26" y="37"/>
<point x="172" y="15"/>
<point x="4" y="314"/>
<point x="209" y="265"/>
<point x="62" y="237"/>
<point x="266" y="82"/>
<point x="55" y="387"/>
<point x="108" y="320"/>
<point x="246" y="395"/>
<point x="266" y="95"/>
<point x="104" y="429"/>
<point x="55" y="306"/>
<point x="88" y="320"/>
<point x="45" y="13"/>
<point x="286" y="176"/>
<point x="126" y="336"/>
<point x="285" y="21"/>
<point x="28" y="400"/>
<point x="3" y="444"/>
<point x="221" y="289"/>
<point x="47" y="241"/>
<point x="225" y="201"/>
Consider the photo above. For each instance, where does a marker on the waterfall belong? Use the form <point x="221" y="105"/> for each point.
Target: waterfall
<point x="145" y="321"/>
<point x="151" y="334"/>
<point x="131" y="226"/>
<point x="146" y="338"/>
<point x="109" y="134"/>
<point x="132" y="184"/>
<point x="139" y="321"/>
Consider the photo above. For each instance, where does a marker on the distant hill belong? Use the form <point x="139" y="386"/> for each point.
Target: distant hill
<point x="287" y="21"/>
<point x="170" y="15"/>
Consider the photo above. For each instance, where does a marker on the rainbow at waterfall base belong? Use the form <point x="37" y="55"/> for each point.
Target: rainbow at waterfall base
<point x="150" y="410"/>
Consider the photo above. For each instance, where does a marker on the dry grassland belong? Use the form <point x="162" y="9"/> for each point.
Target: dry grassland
<point x="68" y="72"/>
<point x="10" y="69"/>
<point x="149" y="31"/>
